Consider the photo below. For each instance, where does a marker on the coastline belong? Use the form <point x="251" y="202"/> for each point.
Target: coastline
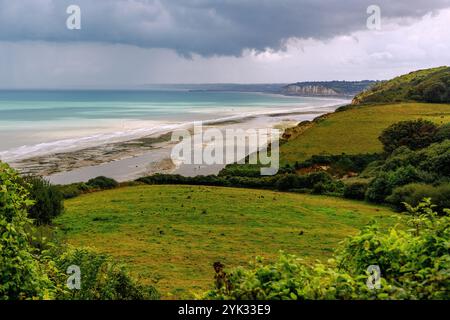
<point x="129" y="160"/>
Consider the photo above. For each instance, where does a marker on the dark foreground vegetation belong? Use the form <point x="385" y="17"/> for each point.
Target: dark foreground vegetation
<point x="414" y="264"/>
<point x="33" y="267"/>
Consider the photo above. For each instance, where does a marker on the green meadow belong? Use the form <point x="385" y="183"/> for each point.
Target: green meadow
<point x="171" y="235"/>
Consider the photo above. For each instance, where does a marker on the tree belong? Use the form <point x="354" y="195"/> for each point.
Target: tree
<point x="48" y="200"/>
<point x="435" y="92"/>
<point x="416" y="134"/>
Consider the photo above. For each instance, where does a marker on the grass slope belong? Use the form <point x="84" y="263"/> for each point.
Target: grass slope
<point x="356" y="130"/>
<point x="173" y="234"/>
<point x="428" y="85"/>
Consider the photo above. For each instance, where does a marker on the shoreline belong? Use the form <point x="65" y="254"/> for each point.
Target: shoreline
<point x="129" y="160"/>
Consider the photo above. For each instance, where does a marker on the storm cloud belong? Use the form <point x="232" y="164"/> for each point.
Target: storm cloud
<point x="203" y="27"/>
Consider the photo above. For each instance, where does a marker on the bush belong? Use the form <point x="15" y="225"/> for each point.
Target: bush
<point x="103" y="183"/>
<point x="400" y="157"/>
<point x="430" y="165"/>
<point x="427" y="164"/>
<point x="400" y="177"/>
<point x="404" y="175"/>
<point x="241" y="170"/>
<point x="72" y="190"/>
<point x="415" y="135"/>
<point x="314" y="178"/>
<point x="286" y="182"/>
<point x="340" y="164"/>
<point x="356" y="190"/>
<point x="436" y="159"/>
<point x="321" y="188"/>
<point x="436" y="92"/>
<point x="101" y="278"/>
<point x="379" y="189"/>
<point x="322" y="182"/>
<point x="443" y="133"/>
<point x="28" y="272"/>
<point x="414" y="193"/>
<point x="414" y="265"/>
<point x="48" y="200"/>
<point x="21" y="275"/>
<point x="372" y="170"/>
<point x="268" y="182"/>
<point x="317" y="182"/>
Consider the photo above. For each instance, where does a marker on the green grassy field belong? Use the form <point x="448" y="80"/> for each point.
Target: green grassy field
<point x="172" y="235"/>
<point x="357" y="130"/>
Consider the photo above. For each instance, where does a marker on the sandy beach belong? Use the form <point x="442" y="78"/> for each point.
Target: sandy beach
<point x="73" y="136"/>
<point x="129" y="160"/>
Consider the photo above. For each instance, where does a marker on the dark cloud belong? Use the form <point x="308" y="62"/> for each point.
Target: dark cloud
<point x="206" y="27"/>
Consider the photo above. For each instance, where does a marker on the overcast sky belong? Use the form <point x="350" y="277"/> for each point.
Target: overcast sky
<point x="134" y="42"/>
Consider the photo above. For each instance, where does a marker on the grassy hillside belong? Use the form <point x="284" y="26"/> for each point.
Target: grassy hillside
<point x="173" y="234"/>
<point x="430" y="85"/>
<point x="356" y="130"/>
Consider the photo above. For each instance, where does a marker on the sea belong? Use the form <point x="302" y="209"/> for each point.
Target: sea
<point x="39" y="122"/>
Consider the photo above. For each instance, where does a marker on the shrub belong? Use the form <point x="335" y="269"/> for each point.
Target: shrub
<point x="414" y="193"/>
<point x="415" y="135"/>
<point x="282" y="182"/>
<point x="334" y="188"/>
<point x="436" y="159"/>
<point x="28" y="272"/>
<point x="318" y="177"/>
<point x="48" y="200"/>
<point x="241" y="170"/>
<point x="228" y="181"/>
<point x="321" y="188"/>
<point x="430" y="165"/>
<point x="436" y="92"/>
<point x="101" y="278"/>
<point x="21" y="275"/>
<point x="103" y="183"/>
<point x="443" y="133"/>
<point x="379" y="189"/>
<point x="414" y="264"/>
<point x="404" y="175"/>
<point x="71" y="190"/>
<point x="372" y="170"/>
<point x="340" y="164"/>
<point x="286" y="182"/>
<point x="409" y="194"/>
<point x="356" y="190"/>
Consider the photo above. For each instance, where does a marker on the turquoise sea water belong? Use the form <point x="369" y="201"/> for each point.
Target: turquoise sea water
<point x="38" y="122"/>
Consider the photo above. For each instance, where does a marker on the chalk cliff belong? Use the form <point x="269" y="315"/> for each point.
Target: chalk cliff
<point x="309" y="90"/>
